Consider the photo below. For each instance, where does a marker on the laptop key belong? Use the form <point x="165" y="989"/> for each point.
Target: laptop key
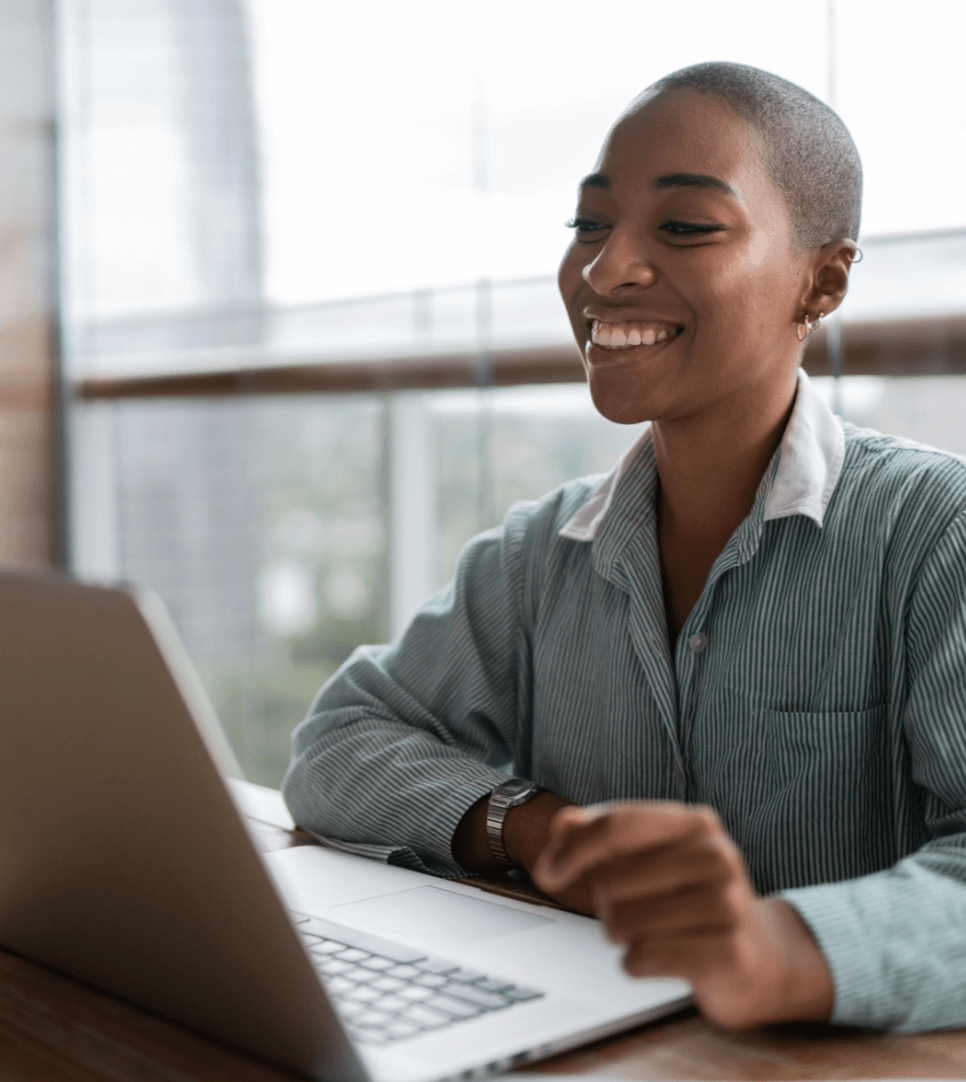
<point x="457" y="1008"/>
<point x="392" y="1003"/>
<point x="332" y="966"/>
<point x="404" y="973"/>
<point x="430" y="980"/>
<point x="436" y="965"/>
<point x="492" y="1001"/>
<point x="362" y="993"/>
<point x="360" y="975"/>
<point x="414" y="993"/>
<point x="466" y="976"/>
<point x="379" y="963"/>
<point x="322" y="946"/>
<point x="387" y="984"/>
<point x="493" y="984"/>
<point x="353" y="954"/>
<point x="337" y="985"/>
<point x="426" y="1018"/>
<point x="520" y="995"/>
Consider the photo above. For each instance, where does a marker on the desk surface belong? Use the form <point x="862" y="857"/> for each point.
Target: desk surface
<point x="55" y="1030"/>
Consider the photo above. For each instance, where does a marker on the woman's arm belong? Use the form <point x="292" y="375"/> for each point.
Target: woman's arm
<point x="405" y="738"/>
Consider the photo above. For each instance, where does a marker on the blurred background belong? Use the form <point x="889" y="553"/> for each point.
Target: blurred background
<point x="278" y="323"/>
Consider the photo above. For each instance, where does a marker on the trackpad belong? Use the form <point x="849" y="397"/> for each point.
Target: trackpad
<point x="435" y="915"/>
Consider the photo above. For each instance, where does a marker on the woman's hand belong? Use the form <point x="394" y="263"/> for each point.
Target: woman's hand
<point x="667" y="880"/>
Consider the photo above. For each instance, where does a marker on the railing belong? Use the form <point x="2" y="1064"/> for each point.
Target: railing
<point x="491" y="334"/>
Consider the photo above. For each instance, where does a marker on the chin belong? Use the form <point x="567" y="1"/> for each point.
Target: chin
<point x="622" y="406"/>
<point x="620" y="411"/>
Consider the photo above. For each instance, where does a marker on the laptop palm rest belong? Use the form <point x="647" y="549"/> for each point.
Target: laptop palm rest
<point x="443" y="917"/>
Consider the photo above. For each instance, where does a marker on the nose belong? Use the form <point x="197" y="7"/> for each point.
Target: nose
<point x="622" y="264"/>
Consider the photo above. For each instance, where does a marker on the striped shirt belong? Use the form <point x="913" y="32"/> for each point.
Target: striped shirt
<point x="816" y="697"/>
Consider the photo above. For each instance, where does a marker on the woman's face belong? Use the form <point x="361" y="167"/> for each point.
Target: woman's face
<point x="682" y="282"/>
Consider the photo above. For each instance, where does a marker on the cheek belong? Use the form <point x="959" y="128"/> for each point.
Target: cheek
<point x="747" y="296"/>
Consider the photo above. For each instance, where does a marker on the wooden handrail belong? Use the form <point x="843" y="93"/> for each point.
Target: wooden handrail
<point x="912" y="347"/>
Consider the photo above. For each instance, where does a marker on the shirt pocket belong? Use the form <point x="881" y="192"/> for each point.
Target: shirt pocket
<point x="824" y="811"/>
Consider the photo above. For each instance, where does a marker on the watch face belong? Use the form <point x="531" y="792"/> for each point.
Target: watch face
<point x="515" y="787"/>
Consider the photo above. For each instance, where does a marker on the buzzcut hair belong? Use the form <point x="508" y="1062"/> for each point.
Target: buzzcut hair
<point x="809" y="153"/>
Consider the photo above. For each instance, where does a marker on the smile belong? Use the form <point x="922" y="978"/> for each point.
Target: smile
<point x="630" y="334"/>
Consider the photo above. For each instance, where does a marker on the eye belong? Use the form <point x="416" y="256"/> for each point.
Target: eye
<point x="585" y="228"/>
<point x="689" y="229"/>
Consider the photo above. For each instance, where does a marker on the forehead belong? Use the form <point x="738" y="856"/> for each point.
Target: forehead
<point x="685" y="132"/>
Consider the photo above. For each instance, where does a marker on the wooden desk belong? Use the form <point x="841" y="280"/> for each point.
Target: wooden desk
<point x="55" y="1030"/>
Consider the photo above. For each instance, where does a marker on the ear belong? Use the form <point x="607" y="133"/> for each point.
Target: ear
<point x="830" y="277"/>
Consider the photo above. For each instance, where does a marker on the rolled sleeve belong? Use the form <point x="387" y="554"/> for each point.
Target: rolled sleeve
<point x="405" y="738"/>
<point x="895" y="945"/>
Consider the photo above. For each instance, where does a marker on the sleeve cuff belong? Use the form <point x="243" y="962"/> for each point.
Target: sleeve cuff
<point x="895" y="943"/>
<point x="432" y="852"/>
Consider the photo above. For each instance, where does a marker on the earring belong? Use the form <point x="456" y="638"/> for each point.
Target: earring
<point x="805" y="328"/>
<point x="857" y="256"/>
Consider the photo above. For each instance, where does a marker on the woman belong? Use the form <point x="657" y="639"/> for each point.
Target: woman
<point x="750" y="637"/>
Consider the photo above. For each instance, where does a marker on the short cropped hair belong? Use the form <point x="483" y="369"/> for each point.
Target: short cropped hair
<point x="809" y="153"/>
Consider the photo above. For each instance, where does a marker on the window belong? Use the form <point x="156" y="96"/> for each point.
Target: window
<point x="310" y="309"/>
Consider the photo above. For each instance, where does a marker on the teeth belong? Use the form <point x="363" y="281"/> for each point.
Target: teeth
<point x="628" y="335"/>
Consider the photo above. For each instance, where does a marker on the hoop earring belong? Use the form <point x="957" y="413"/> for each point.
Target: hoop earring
<point x="857" y="256"/>
<point x="805" y="328"/>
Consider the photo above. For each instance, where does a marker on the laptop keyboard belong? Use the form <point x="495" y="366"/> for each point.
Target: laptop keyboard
<point x="387" y="992"/>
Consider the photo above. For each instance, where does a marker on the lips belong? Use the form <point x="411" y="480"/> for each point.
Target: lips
<point x="630" y="334"/>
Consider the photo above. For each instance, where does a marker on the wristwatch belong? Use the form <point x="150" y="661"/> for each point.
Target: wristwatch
<point x="511" y="794"/>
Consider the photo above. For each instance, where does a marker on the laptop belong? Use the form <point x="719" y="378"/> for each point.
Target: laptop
<point x="125" y="862"/>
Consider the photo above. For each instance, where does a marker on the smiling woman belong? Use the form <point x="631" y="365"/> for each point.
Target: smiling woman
<point x="690" y="270"/>
<point x="718" y="697"/>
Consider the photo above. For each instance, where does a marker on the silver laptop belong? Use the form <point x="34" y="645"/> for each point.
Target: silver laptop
<point x="124" y="862"/>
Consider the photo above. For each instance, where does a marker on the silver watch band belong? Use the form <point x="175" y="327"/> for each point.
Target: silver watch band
<point x="510" y="794"/>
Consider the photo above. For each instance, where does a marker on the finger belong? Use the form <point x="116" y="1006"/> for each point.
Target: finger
<point x="682" y="913"/>
<point x="598" y="836"/>
<point x="710" y="860"/>
<point x="690" y="956"/>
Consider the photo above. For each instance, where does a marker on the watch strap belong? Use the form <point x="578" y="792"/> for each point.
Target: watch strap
<point x="510" y="794"/>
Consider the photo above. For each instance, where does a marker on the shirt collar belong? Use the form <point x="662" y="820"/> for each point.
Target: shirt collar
<point x="810" y="458"/>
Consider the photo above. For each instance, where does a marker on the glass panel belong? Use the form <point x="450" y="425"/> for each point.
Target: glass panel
<point x="498" y="447"/>
<point x="927" y="409"/>
<point x="261" y="525"/>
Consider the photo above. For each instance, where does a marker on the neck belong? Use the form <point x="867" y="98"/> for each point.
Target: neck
<point x="710" y="466"/>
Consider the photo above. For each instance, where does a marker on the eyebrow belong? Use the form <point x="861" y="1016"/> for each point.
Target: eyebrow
<point x="692" y="180"/>
<point x="671" y="180"/>
<point x="596" y="180"/>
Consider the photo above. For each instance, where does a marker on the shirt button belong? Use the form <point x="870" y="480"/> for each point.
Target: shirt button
<point x="698" y="642"/>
